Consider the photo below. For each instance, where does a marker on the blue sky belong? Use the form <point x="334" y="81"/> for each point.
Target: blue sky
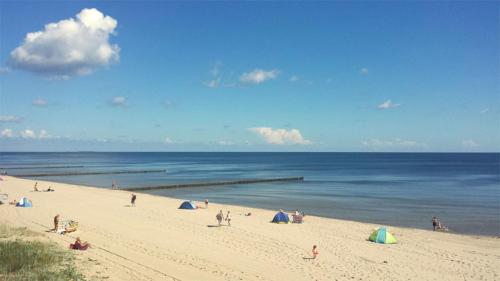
<point x="269" y="76"/>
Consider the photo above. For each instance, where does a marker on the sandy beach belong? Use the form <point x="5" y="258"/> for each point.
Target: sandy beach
<point x="157" y="241"/>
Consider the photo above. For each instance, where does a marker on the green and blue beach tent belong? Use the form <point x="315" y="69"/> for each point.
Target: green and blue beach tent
<point x="382" y="236"/>
<point x="187" y="205"/>
<point x="281" y="217"/>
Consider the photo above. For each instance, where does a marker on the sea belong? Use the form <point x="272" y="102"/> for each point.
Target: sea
<point x="400" y="189"/>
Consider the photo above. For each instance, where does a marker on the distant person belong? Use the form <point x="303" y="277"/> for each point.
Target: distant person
<point x="315" y="252"/>
<point x="56" y="223"/>
<point x="206" y="203"/>
<point x="228" y="218"/>
<point x="79" y="245"/>
<point x="435" y="223"/>
<point x="219" y="217"/>
<point x="113" y="185"/>
<point x="35" y="188"/>
<point x="132" y="200"/>
<point x="49" y="189"/>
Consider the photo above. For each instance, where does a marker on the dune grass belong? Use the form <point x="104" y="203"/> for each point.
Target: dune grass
<point x="34" y="260"/>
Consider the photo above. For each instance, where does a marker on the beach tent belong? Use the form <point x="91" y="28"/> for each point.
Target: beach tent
<point x="382" y="236"/>
<point x="24" y="202"/>
<point x="281" y="217"/>
<point x="188" y="205"/>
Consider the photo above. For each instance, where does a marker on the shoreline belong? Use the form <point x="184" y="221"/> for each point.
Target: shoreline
<point x="183" y="244"/>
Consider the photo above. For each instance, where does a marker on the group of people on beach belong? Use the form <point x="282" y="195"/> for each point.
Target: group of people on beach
<point x="437" y="225"/>
<point x="35" y="188"/>
<point x="220" y="217"/>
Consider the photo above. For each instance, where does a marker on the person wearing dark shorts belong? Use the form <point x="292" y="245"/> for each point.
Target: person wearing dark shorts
<point x="435" y="223"/>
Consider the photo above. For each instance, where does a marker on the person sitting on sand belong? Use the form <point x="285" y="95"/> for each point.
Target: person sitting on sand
<point x="79" y="245"/>
<point x="228" y="218"/>
<point x="35" y="188"/>
<point x="49" y="189"/>
<point x="56" y="223"/>
<point x="132" y="200"/>
<point x="219" y="217"/>
<point x="315" y="252"/>
<point x="13" y="202"/>
<point x="248" y="214"/>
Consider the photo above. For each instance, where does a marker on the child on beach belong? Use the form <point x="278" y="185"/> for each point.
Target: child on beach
<point x="132" y="200"/>
<point x="228" y="218"/>
<point x="219" y="217"/>
<point x="315" y="252"/>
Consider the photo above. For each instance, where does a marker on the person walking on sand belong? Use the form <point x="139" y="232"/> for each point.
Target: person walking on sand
<point x="228" y="218"/>
<point x="206" y="203"/>
<point x="315" y="252"/>
<point x="35" y="188"/>
<point x="56" y="223"/>
<point x="132" y="200"/>
<point x="219" y="217"/>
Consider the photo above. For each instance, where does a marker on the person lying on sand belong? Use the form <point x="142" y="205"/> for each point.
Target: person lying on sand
<point x="79" y="245"/>
<point x="49" y="189"/>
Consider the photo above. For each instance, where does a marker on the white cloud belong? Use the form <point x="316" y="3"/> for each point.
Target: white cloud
<point x="28" y="134"/>
<point x="119" y="101"/>
<point x="44" y="135"/>
<point x="74" y="46"/>
<point x="392" y="143"/>
<point x="294" y="78"/>
<point x="363" y="71"/>
<point x="258" y="76"/>
<point x="6" y="133"/>
<point x="214" y="83"/>
<point x="470" y="143"/>
<point x="216" y="69"/>
<point x="388" y="104"/>
<point x="484" y="111"/>
<point x="280" y="136"/>
<point x="39" y="102"/>
<point x="9" y="118"/>
<point x="168" y="141"/>
<point x="4" y="70"/>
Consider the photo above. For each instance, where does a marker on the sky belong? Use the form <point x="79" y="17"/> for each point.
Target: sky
<point x="249" y="76"/>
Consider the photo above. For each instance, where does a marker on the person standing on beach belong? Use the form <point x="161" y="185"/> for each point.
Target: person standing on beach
<point x="435" y="223"/>
<point x="35" y="188"/>
<point x="132" y="200"/>
<point x="219" y="217"/>
<point x="315" y="252"/>
<point x="206" y="203"/>
<point x="113" y="185"/>
<point x="228" y="218"/>
<point x="56" y="223"/>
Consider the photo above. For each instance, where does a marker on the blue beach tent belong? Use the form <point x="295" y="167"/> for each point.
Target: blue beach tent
<point x="24" y="202"/>
<point x="188" y="205"/>
<point x="281" y="217"/>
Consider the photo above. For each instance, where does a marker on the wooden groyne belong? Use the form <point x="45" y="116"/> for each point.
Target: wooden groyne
<point x="93" y="173"/>
<point x="203" y="184"/>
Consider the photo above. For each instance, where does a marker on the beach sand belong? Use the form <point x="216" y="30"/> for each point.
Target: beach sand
<point x="157" y="241"/>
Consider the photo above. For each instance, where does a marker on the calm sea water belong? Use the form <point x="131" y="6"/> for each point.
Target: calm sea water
<point x="404" y="189"/>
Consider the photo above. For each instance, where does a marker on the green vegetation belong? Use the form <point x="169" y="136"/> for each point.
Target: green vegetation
<point x="34" y="260"/>
<point x="6" y="232"/>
